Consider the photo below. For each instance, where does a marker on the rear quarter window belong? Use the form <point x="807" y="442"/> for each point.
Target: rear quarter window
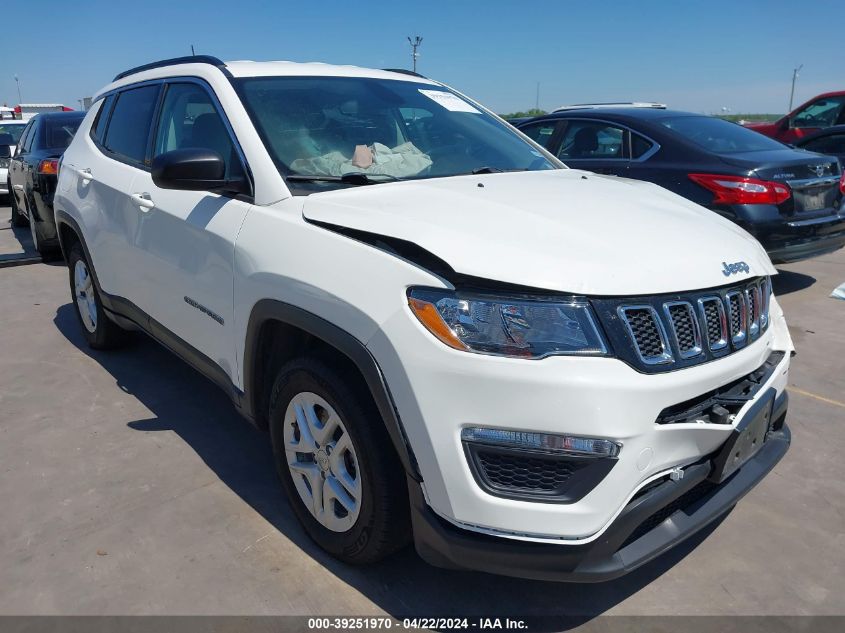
<point x="98" y="131"/>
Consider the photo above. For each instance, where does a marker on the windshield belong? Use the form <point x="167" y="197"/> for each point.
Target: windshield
<point x="323" y="128"/>
<point x="720" y="136"/>
<point x="15" y="129"/>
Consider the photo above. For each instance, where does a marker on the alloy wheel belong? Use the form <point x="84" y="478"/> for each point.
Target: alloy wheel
<point x="322" y="461"/>
<point x="84" y="291"/>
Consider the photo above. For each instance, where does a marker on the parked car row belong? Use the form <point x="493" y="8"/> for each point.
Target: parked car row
<point x="789" y="199"/>
<point x="32" y="175"/>
<point x="451" y="338"/>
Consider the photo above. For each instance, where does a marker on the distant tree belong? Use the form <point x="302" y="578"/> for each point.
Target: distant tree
<point x="519" y="115"/>
<point x="750" y="117"/>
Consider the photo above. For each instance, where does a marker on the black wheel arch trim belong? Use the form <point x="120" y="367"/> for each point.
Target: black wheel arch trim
<point x="273" y="310"/>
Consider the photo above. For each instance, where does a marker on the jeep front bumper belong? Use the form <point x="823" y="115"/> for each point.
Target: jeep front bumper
<point x="650" y="524"/>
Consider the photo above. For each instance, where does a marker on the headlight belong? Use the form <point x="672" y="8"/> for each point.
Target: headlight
<point x="523" y="327"/>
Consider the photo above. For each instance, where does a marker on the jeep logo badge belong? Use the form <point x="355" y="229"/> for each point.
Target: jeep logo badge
<point x="736" y="267"/>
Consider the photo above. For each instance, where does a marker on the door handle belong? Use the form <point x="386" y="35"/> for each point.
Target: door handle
<point x="85" y="175"/>
<point x="17" y="187"/>
<point x="143" y="201"/>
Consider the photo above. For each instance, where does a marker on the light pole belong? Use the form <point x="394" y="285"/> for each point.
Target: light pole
<point x="792" y="92"/>
<point x="415" y="44"/>
<point x="18" y="81"/>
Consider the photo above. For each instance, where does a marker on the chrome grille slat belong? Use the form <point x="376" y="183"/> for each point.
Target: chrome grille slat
<point x="752" y="297"/>
<point x="737" y="317"/>
<point x="684" y="327"/>
<point x="765" y="295"/>
<point x="647" y="332"/>
<point x="715" y="322"/>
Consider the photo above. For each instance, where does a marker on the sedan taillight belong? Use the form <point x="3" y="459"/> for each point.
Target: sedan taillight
<point x="842" y="181"/>
<point x="49" y="166"/>
<point x="740" y="190"/>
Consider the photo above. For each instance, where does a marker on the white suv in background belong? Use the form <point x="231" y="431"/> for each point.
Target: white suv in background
<point x="451" y="337"/>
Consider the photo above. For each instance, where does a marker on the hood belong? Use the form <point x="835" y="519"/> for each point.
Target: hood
<point x="562" y="230"/>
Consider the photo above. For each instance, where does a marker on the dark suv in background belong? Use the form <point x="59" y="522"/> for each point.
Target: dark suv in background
<point x="33" y="172"/>
<point x="789" y="199"/>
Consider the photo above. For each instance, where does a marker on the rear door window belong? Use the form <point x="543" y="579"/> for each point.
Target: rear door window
<point x="129" y="125"/>
<point x="26" y="138"/>
<point x="592" y="139"/>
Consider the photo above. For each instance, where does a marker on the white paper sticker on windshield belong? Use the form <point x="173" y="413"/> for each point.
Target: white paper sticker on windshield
<point x="449" y="101"/>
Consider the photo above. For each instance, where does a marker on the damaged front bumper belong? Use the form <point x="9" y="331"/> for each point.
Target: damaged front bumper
<point x="660" y="516"/>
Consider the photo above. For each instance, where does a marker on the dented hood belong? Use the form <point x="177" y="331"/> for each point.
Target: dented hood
<point x="561" y="230"/>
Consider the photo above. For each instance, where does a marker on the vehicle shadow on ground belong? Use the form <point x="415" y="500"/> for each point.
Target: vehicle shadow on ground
<point x="184" y="402"/>
<point x="787" y="281"/>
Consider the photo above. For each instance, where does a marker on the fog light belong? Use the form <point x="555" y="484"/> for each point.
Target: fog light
<point x="543" y="442"/>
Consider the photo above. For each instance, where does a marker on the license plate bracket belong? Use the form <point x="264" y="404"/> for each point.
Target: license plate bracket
<point x="746" y="439"/>
<point x="814" y="201"/>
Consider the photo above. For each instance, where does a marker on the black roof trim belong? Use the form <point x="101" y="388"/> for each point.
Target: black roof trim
<point x="402" y="71"/>
<point x="190" y="59"/>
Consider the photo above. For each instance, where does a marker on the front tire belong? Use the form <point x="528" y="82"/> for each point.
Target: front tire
<point x="337" y="465"/>
<point x="99" y="331"/>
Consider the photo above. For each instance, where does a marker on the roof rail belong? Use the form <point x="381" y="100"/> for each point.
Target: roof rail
<point x="402" y="71"/>
<point x="190" y="59"/>
<point x="617" y="104"/>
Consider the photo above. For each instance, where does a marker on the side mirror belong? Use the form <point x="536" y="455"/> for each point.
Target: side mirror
<point x="194" y="169"/>
<point x="5" y="151"/>
<point x="6" y="139"/>
<point x="785" y="124"/>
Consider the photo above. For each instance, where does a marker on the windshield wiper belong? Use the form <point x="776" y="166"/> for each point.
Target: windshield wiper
<point x="486" y="170"/>
<point x="352" y="178"/>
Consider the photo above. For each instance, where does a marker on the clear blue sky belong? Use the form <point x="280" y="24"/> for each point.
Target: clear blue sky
<point x="698" y="56"/>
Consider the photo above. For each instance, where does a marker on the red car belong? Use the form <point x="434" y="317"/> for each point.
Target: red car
<point x="820" y="112"/>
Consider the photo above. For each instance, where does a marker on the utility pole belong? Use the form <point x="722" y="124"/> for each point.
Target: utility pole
<point x="18" y="81"/>
<point x="795" y="72"/>
<point x="415" y="44"/>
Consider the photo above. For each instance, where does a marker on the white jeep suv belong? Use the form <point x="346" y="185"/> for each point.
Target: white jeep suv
<point x="452" y="338"/>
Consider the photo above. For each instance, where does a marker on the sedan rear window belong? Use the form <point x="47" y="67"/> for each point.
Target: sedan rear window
<point x="720" y="136"/>
<point x="59" y="132"/>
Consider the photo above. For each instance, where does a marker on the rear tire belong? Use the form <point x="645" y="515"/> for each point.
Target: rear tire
<point x="360" y="513"/>
<point x="18" y="219"/>
<point x="99" y="330"/>
<point x="48" y="253"/>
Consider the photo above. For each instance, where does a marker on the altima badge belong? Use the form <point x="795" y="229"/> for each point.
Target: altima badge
<point x="736" y="267"/>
